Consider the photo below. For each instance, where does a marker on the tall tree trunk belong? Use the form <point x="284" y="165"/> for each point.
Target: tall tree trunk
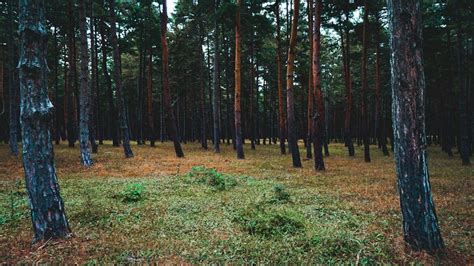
<point x="420" y="224"/>
<point x="118" y="83"/>
<point x="238" y="122"/>
<point x="363" y="89"/>
<point x="252" y="93"/>
<point x="290" y="104"/>
<point x="348" y="84"/>
<point x="57" y="131"/>
<point x="71" y="102"/>
<point x="319" y="117"/>
<point x="84" y="93"/>
<point x="281" y="99"/>
<point x="379" y="117"/>
<point x="463" y="142"/>
<point x="202" y="92"/>
<point x="309" y="122"/>
<point x="149" y="97"/>
<point x="47" y="207"/>
<point x="110" y="94"/>
<point x="170" y="119"/>
<point x="217" y="86"/>
<point x="140" y="84"/>
<point x="12" y="87"/>
<point x="94" y="101"/>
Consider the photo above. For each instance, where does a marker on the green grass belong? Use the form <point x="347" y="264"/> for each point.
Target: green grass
<point x="212" y="208"/>
<point x="143" y="219"/>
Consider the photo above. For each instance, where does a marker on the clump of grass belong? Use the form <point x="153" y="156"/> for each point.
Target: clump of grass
<point x="257" y="221"/>
<point x="211" y="177"/>
<point x="280" y="194"/>
<point x="132" y="193"/>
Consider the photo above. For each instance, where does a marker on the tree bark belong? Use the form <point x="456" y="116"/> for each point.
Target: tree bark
<point x="237" y="111"/>
<point x="309" y="136"/>
<point x="348" y="84"/>
<point x="170" y="119"/>
<point x="84" y="93"/>
<point x="463" y="142"/>
<point x="47" y="207"/>
<point x="290" y="105"/>
<point x="69" y="91"/>
<point x="216" y="112"/>
<point x="318" y="116"/>
<point x="379" y="117"/>
<point x="420" y="224"/>
<point x="363" y="89"/>
<point x="110" y="94"/>
<point x="149" y="97"/>
<point x="281" y="99"/>
<point x="12" y="86"/>
<point x="118" y="83"/>
<point x="202" y="92"/>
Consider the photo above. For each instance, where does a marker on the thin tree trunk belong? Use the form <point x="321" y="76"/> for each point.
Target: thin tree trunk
<point x="309" y="122"/>
<point x="217" y="86"/>
<point x="170" y="119"/>
<point x="202" y="93"/>
<point x="118" y="83"/>
<point x="363" y="102"/>
<point x="71" y="117"/>
<point x="420" y="224"/>
<point x="12" y="87"/>
<point x="380" y="132"/>
<point x="149" y="97"/>
<point x="84" y="93"/>
<point x="348" y="84"/>
<point x="290" y="105"/>
<point x="94" y="99"/>
<point x="319" y="117"/>
<point x="46" y="205"/>
<point x="108" y="81"/>
<point x="237" y="111"/>
<point x="463" y="142"/>
<point x="281" y="99"/>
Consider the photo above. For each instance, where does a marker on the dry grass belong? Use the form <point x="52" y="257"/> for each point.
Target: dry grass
<point x="362" y="187"/>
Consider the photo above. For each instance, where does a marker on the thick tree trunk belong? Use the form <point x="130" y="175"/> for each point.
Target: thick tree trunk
<point x="110" y="94"/>
<point x="281" y="99"/>
<point x="290" y="105"/>
<point x="379" y="117"/>
<point x="47" y="207"/>
<point x="363" y="89"/>
<point x="118" y="84"/>
<point x="170" y="119"/>
<point x="319" y="117"/>
<point x="84" y="93"/>
<point x="420" y="224"/>
<point x="237" y="111"/>
<point x="12" y="87"/>
<point x="216" y="112"/>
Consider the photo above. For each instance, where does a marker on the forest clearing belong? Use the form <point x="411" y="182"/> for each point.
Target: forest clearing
<point x="158" y="208"/>
<point x="249" y="132"/>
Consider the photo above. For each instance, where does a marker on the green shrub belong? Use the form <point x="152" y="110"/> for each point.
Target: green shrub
<point x="132" y="193"/>
<point x="260" y="222"/>
<point x="281" y="194"/>
<point x="210" y="176"/>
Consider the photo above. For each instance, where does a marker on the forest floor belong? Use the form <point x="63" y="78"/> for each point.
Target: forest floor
<point x="214" y="208"/>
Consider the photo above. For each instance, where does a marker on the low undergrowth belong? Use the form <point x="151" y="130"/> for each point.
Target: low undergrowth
<point x="147" y="209"/>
